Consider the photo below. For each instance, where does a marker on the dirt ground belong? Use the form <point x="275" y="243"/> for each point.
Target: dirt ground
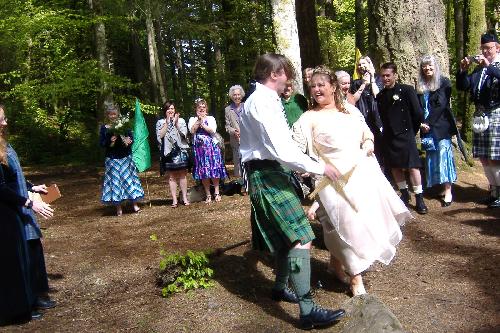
<point x="102" y="267"/>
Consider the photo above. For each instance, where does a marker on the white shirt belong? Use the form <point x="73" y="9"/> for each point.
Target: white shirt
<point x="264" y="133"/>
<point x="209" y="121"/>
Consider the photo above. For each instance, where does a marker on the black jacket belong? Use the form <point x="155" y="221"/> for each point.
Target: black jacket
<point x="440" y="119"/>
<point x="489" y="96"/>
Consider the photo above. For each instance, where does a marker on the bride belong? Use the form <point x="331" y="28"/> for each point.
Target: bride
<point x="361" y="215"/>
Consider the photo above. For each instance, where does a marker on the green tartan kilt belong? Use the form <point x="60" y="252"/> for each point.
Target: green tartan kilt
<point x="278" y="219"/>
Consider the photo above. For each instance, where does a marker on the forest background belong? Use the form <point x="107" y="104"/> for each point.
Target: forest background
<point x="61" y="60"/>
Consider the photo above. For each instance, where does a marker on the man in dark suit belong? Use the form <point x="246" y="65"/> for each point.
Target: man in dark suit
<point x="401" y="117"/>
<point x="484" y="86"/>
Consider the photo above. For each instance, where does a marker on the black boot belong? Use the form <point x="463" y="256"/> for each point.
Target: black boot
<point x="420" y="204"/>
<point x="496" y="202"/>
<point x="489" y="199"/>
<point x="405" y="196"/>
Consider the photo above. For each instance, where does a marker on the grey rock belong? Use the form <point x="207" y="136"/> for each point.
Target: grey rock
<point x="367" y="314"/>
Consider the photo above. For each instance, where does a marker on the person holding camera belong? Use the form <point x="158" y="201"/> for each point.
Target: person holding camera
<point x="171" y="133"/>
<point x="484" y="87"/>
<point x="364" y="91"/>
<point x="208" y="160"/>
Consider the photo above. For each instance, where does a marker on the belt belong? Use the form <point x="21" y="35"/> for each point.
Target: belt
<point x="261" y="164"/>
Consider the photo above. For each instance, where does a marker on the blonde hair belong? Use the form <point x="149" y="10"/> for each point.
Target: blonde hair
<point x="3" y="143"/>
<point x="332" y="79"/>
<point x="434" y="83"/>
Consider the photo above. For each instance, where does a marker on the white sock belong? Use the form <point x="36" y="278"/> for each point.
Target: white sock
<point x="402" y="185"/>
<point x="495" y="172"/>
<point x="490" y="174"/>
<point x="417" y="189"/>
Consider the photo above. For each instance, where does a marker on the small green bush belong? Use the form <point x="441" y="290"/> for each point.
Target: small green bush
<point x="184" y="272"/>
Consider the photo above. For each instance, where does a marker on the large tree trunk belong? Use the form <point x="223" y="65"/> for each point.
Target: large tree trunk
<point x="475" y="21"/>
<point x="403" y="37"/>
<point x="287" y="37"/>
<point x="359" y="19"/>
<point x="308" y="33"/>
<point x="181" y="70"/>
<point x="157" y="86"/>
<point x="101" y="50"/>
<point x="458" y="16"/>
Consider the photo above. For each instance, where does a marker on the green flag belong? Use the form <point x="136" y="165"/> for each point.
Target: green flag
<point x="140" y="148"/>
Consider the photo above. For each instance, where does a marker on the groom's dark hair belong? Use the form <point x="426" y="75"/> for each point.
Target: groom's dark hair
<point x="271" y="62"/>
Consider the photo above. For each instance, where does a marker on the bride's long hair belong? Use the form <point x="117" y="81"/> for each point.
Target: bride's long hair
<point x="3" y="142"/>
<point x="330" y="76"/>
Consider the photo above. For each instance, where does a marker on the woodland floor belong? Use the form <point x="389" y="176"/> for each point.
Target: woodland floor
<point x="102" y="268"/>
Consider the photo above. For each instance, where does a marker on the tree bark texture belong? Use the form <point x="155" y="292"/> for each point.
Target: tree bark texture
<point x="475" y="20"/>
<point x="157" y="86"/>
<point x="307" y="27"/>
<point x="101" y="50"/>
<point x="359" y="19"/>
<point x="407" y="30"/>
<point x="287" y="36"/>
<point x="458" y="15"/>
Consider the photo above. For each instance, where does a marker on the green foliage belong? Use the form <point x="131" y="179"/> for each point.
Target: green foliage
<point x="337" y="36"/>
<point x="184" y="272"/>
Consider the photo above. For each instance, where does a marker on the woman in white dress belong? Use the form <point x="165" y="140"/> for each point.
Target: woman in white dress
<point x="361" y="219"/>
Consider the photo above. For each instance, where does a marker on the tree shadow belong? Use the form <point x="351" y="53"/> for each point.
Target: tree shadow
<point x="479" y="259"/>
<point x="241" y="276"/>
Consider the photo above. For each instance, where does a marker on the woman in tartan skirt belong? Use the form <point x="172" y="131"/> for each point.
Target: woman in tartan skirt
<point x="121" y="181"/>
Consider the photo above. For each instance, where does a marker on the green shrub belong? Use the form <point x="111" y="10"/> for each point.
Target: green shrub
<point x="183" y="272"/>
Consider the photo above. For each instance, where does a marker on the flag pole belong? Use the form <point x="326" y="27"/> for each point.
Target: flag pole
<point x="147" y="188"/>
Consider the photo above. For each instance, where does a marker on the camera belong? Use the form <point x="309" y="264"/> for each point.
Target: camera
<point x="474" y="59"/>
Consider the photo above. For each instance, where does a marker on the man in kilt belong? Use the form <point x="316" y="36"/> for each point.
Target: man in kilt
<point x="280" y="224"/>
<point x="484" y="86"/>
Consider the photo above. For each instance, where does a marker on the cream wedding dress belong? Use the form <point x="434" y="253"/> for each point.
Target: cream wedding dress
<point x="366" y="227"/>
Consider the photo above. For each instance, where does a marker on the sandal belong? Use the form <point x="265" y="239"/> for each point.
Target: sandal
<point x="218" y="197"/>
<point x="208" y="199"/>
<point x="186" y="203"/>
<point x="174" y="205"/>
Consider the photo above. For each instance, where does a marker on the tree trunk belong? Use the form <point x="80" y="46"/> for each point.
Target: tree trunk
<point x="160" y="65"/>
<point x="287" y="37"/>
<point x="359" y="24"/>
<point x="157" y="87"/>
<point x="308" y="33"/>
<point x="105" y="95"/>
<point x="152" y="55"/>
<point x="458" y="15"/>
<point x="475" y="20"/>
<point x="179" y="62"/>
<point x="406" y="30"/>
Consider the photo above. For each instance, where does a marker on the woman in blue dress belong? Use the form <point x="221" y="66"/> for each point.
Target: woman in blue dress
<point x="439" y="126"/>
<point x="208" y="159"/>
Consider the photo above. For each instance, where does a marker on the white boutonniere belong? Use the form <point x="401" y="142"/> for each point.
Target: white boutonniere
<point x="395" y="97"/>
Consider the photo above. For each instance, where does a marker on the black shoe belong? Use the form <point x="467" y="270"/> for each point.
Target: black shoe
<point x="44" y="303"/>
<point x="487" y="201"/>
<point x="495" y="204"/>
<point x="405" y="196"/>
<point x="285" y="295"/>
<point x="35" y="315"/>
<point x="420" y="206"/>
<point x="320" y="317"/>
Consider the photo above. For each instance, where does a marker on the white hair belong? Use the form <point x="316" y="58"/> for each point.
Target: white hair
<point x="341" y="74"/>
<point x="234" y="88"/>
<point x="434" y="83"/>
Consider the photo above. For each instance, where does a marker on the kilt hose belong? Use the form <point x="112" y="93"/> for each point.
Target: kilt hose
<point x="278" y="219"/>
<point x="487" y="144"/>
